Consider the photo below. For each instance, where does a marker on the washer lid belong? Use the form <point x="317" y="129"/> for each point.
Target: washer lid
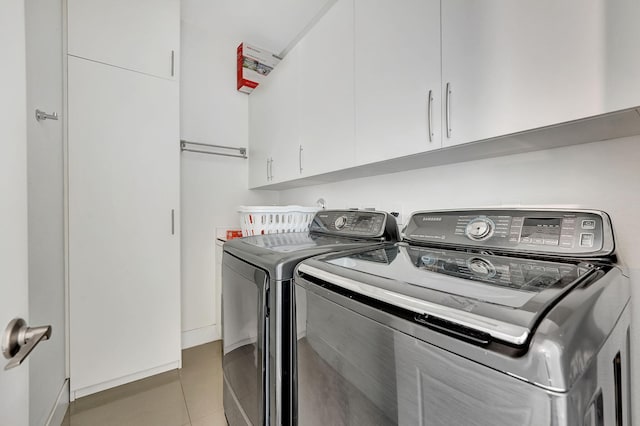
<point x="501" y="296"/>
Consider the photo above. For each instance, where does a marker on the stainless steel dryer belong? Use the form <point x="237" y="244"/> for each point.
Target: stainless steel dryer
<point x="501" y="317"/>
<point x="257" y="276"/>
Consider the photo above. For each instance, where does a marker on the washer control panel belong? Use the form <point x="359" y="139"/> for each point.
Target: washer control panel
<point x="545" y="231"/>
<point x="355" y="223"/>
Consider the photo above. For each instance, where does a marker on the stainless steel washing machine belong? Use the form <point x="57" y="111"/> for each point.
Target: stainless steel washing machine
<point x="500" y="317"/>
<point x="257" y="280"/>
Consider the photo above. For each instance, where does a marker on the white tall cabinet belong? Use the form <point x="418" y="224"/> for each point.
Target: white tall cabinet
<point x="124" y="242"/>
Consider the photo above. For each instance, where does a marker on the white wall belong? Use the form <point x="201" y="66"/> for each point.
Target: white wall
<point x="211" y="186"/>
<point x="212" y="111"/>
<point x="600" y="175"/>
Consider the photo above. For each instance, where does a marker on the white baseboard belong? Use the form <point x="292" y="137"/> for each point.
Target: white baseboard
<point x="79" y="393"/>
<point x="200" y="336"/>
<point x="60" y="409"/>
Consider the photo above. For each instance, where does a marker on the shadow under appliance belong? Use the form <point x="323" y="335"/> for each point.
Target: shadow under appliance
<point x="257" y="280"/>
<point x="501" y="317"/>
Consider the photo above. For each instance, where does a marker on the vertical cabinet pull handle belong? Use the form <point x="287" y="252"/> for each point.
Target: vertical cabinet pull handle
<point x="173" y="222"/>
<point x="173" y="54"/>
<point x="430" y="114"/>
<point x="271" y="168"/>
<point x="448" y="109"/>
<point x="268" y="177"/>
<point x="300" y="158"/>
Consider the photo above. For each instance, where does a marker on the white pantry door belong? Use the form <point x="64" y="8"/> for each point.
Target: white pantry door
<point x="14" y="383"/>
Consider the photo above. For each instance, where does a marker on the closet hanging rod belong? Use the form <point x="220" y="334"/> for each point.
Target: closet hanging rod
<point x="184" y="143"/>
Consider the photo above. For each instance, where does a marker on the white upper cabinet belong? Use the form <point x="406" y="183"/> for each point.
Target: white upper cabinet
<point x="620" y="30"/>
<point x="140" y="35"/>
<point x="380" y="80"/>
<point x="397" y="67"/>
<point x="326" y="103"/>
<point x="273" y="125"/>
<point x="514" y="66"/>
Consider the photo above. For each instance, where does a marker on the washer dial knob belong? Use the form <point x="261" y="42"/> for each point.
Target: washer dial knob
<point x="481" y="267"/>
<point x="340" y="222"/>
<point x="480" y="228"/>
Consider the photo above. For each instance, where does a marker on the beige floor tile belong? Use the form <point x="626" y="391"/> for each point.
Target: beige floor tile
<point x="125" y="391"/>
<point x="157" y="400"/>
<point x="67" y="418"/>
<point x="203" y="395"/>
<point x="201" y="363"/>
<point x="215" y="419"/>
<point x="192" y="395"/>
<point x="202" y="354"/>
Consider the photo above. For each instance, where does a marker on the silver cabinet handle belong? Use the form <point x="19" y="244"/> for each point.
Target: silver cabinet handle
<point x="448" y="109"/>
<point x="41" y="115"/>
<point x="430" y="114"/>
<point x="173" y="222"/>
<point x="271" y="168"/>
<point x="268" y="177"/>
<point x="173" y="56"/>
<point x="300" y="158"/>
<point x="19" y="340"/>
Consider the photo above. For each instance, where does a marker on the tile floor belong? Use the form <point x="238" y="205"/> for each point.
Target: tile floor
<point x="190" y="396"/>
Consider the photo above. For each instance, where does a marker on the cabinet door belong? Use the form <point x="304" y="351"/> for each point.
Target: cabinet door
<point x="326" y="101"/>
<point x="124" y="241"/>
<point x="273" y="125"/>
<point x="397" y="65"/>
<point x="259" y="140"/>
<point x="140" y="35"/>
<point x="513" y="66"/>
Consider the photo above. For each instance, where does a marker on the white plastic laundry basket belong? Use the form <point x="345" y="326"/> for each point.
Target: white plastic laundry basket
<point x="258" y="220"/>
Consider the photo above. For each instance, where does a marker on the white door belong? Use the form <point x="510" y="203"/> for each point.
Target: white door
<point x="327" y="93"/>
<point x="286" y="132"/>
<point x="519" y="65"/>
<point x="397" y="84"/>
<point x="45" y="171"/>
<point x="14" y="383"/>
<point x="273" y="125"/>
<point x="124" y="236"/>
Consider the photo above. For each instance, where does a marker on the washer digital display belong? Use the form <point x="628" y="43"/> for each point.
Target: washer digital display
<point x="541" y="230"/>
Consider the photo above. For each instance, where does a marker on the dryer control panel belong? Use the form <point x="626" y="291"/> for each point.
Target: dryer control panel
<point x="355" y="223"/>
<point x="575" y="233"/>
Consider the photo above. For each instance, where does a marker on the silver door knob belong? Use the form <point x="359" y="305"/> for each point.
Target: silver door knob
<point x="19" y="340"/>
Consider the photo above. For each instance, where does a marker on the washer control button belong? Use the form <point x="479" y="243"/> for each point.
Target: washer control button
<point x="586" y="240"/>
<point x="589" y="224"/>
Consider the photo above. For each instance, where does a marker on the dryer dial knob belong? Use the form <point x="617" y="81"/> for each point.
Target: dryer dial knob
<point x="340" y="222"/>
